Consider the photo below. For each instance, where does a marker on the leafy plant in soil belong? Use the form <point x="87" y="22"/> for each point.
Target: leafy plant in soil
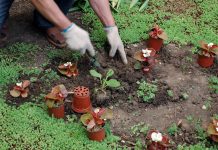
<point x="147" y="57"/>
<point x="173" y="129"/>
<point x="105" y="82"/>
<point x="157" y="141"/>
<point x="158" y="33"/>
<point x="213" y="81"/>
<point x="95" y="121"/>
<point x="56" y="97"/>
<point x="146" y="91"/>
<point x="212" y="130"/>
<point x="20" y="89"/>
<point x="68" y="69"/>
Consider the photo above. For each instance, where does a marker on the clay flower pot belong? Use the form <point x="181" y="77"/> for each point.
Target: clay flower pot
<point x="57" y="112"/>
<point x="81" y="100"/>
<point x="154" y="43"/>
<point x="205" y="61"/>
<point x="97" y="135"/>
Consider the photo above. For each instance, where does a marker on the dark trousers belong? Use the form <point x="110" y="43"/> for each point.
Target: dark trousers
<point x="39" y="20"/>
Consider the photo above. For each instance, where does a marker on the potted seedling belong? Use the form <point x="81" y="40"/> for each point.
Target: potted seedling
<point x="81" y="100"/>
<point x="20" y="89"/>
<point x="157" y="141"/>
<point x="147" y="59"/>
<point x="55" y="101"/>
<point x="68" y="69"/>
<point x="206" y="54"/>
<point x="95" y="121"/>
<point x="156" y="37"/>
<point x="213" y="130"/>
<point x="105" y="82"/>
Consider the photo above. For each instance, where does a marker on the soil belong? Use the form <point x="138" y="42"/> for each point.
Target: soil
<point x="176" y="70"/>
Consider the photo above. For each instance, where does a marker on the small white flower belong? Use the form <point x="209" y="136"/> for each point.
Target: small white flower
<point x="204" y="107"/>
<point x="217" y="129"/>
<point x="96" y="110"/>
<point x="146" y="52"/>
<point x="156" y="137"/>
<point x="19" y="84"/>
<point x="210" y="45"/>
<point x="68" y="64"/>
<point x="122" y="141"/>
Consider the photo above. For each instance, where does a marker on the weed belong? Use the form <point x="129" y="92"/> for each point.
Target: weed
<point x="146" y="91"/>
<point x="49" y="76"/>
<point x="170" y="93"/>
<point x="140" y="128"/>
<point x="213" y="83"/>
<point x="32" y="71"/>
<point x="173" y="129"/>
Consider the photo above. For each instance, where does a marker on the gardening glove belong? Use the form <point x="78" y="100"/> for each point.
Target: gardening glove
<point x="78" y="39"/>
<point x="115" y="43"/>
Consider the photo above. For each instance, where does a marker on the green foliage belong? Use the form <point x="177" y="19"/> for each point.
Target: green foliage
<point x="170" y="93"/>
<point x="199" y="146"/>
<point x="105" y="82"/>
<point x="30" y="127"/>
<point x="146" y="91"/>
<point x="140" y="128"/>
<point x="173" y="129"/>
<point x="9" y="71"/>
<point x="213" y="81"/>
<point x="49" y="76"/>
<point x="182" y="28"/>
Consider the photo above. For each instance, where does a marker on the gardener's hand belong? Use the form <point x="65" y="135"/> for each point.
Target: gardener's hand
<point x="78" y="39"/>
<point x="115" y="43"/>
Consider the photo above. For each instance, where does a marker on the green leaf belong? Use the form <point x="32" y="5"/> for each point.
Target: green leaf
<point x="133" y="3"/>
<point x="110" y="73"/>
<point x="49" y="103"/>
<point x="145" y="4"/>
<point x="85" y="117"/>
<point x="15" y="93"/>
<point x="113" y="83"/>
<point x="137" y="66"/>
<point x="94" y="73"/>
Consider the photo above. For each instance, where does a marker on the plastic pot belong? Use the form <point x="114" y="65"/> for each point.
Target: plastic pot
<point x="97" y="135"/>
<point x="81" y="100"/>
<point x="57" y="112"/>
<point x="156" y="44"/>
<point x="205" y="61"/>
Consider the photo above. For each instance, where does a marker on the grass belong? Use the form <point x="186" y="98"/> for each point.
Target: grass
<point x="182" y="28"/>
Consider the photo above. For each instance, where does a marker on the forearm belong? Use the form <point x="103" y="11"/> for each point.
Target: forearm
<point x="51" y="11"/>
<point x="102" y="9"/>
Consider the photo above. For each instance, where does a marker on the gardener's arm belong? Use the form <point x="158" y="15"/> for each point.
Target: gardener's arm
<point x="76" y="38"/>
<point x="102" y="9"/>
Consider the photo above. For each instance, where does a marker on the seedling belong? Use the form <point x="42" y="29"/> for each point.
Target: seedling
<point x="157" y="141"/>
<point x="173" y="129"/>
<point x="170" y="93"/>
<point x="213" y="81"/>
<point x="56" y="97"/>
<point x="21" y="89"/>
<point x="140" y="128"/>
<point x="147" y="57"/>
<point x="105" y="82"/>
<point x="158" y="33"/>
<point x="213" y="130"/>
<point x="146" y="91"/>
<point x="68" y="69"/>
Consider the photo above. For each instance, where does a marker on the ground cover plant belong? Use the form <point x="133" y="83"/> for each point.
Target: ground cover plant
<point x="176" y="87"/>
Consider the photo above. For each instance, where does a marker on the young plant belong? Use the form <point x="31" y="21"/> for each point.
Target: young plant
<point x="105" y="82"/>
<point x="208" y="50"/>
<point x="173" y="129"/>
<point x="213" y="81"/>
<point x="156" y="32"/>
<point x="157" y="141"/>
<point x="212" y="130"/>
<point x="146" y="91"/>
<point x="68" y="69"/>
<point x="147" y="57"/>
<point x="95" y="120"/>
<point x="21" y="89"/>
<point x="56" y="97"/>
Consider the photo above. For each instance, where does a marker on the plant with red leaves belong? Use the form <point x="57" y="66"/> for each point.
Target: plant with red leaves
<point x="56" y="97"/>
<point x="157" y="141"/>
<point x="208" y="50"/>
<point x="212" y="130"/>
<point x="68" y="69"/>
<point x="21" y="89"/>
<point x="95" y="120"/>
<point x="147" y="57"/>
<point x="156" y="32"/>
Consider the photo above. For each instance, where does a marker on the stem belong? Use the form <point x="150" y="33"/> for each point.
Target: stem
<point x="70" y="92"/>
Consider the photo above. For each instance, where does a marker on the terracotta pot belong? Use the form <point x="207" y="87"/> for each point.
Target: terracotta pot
<point x="81" y="100"/>
<point x="155" y="146"/>
<point x="57" y="112"/>
<point x="156" y="44"/>
<point x="205" y="61"/>
<point x="97" y="135"/>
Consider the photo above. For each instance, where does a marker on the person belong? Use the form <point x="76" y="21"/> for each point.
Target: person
<point x="51" y="16"/>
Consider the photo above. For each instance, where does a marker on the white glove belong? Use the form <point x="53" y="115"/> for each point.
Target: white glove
<point x="78" y="39"/>
<point x="115" y="43"/>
